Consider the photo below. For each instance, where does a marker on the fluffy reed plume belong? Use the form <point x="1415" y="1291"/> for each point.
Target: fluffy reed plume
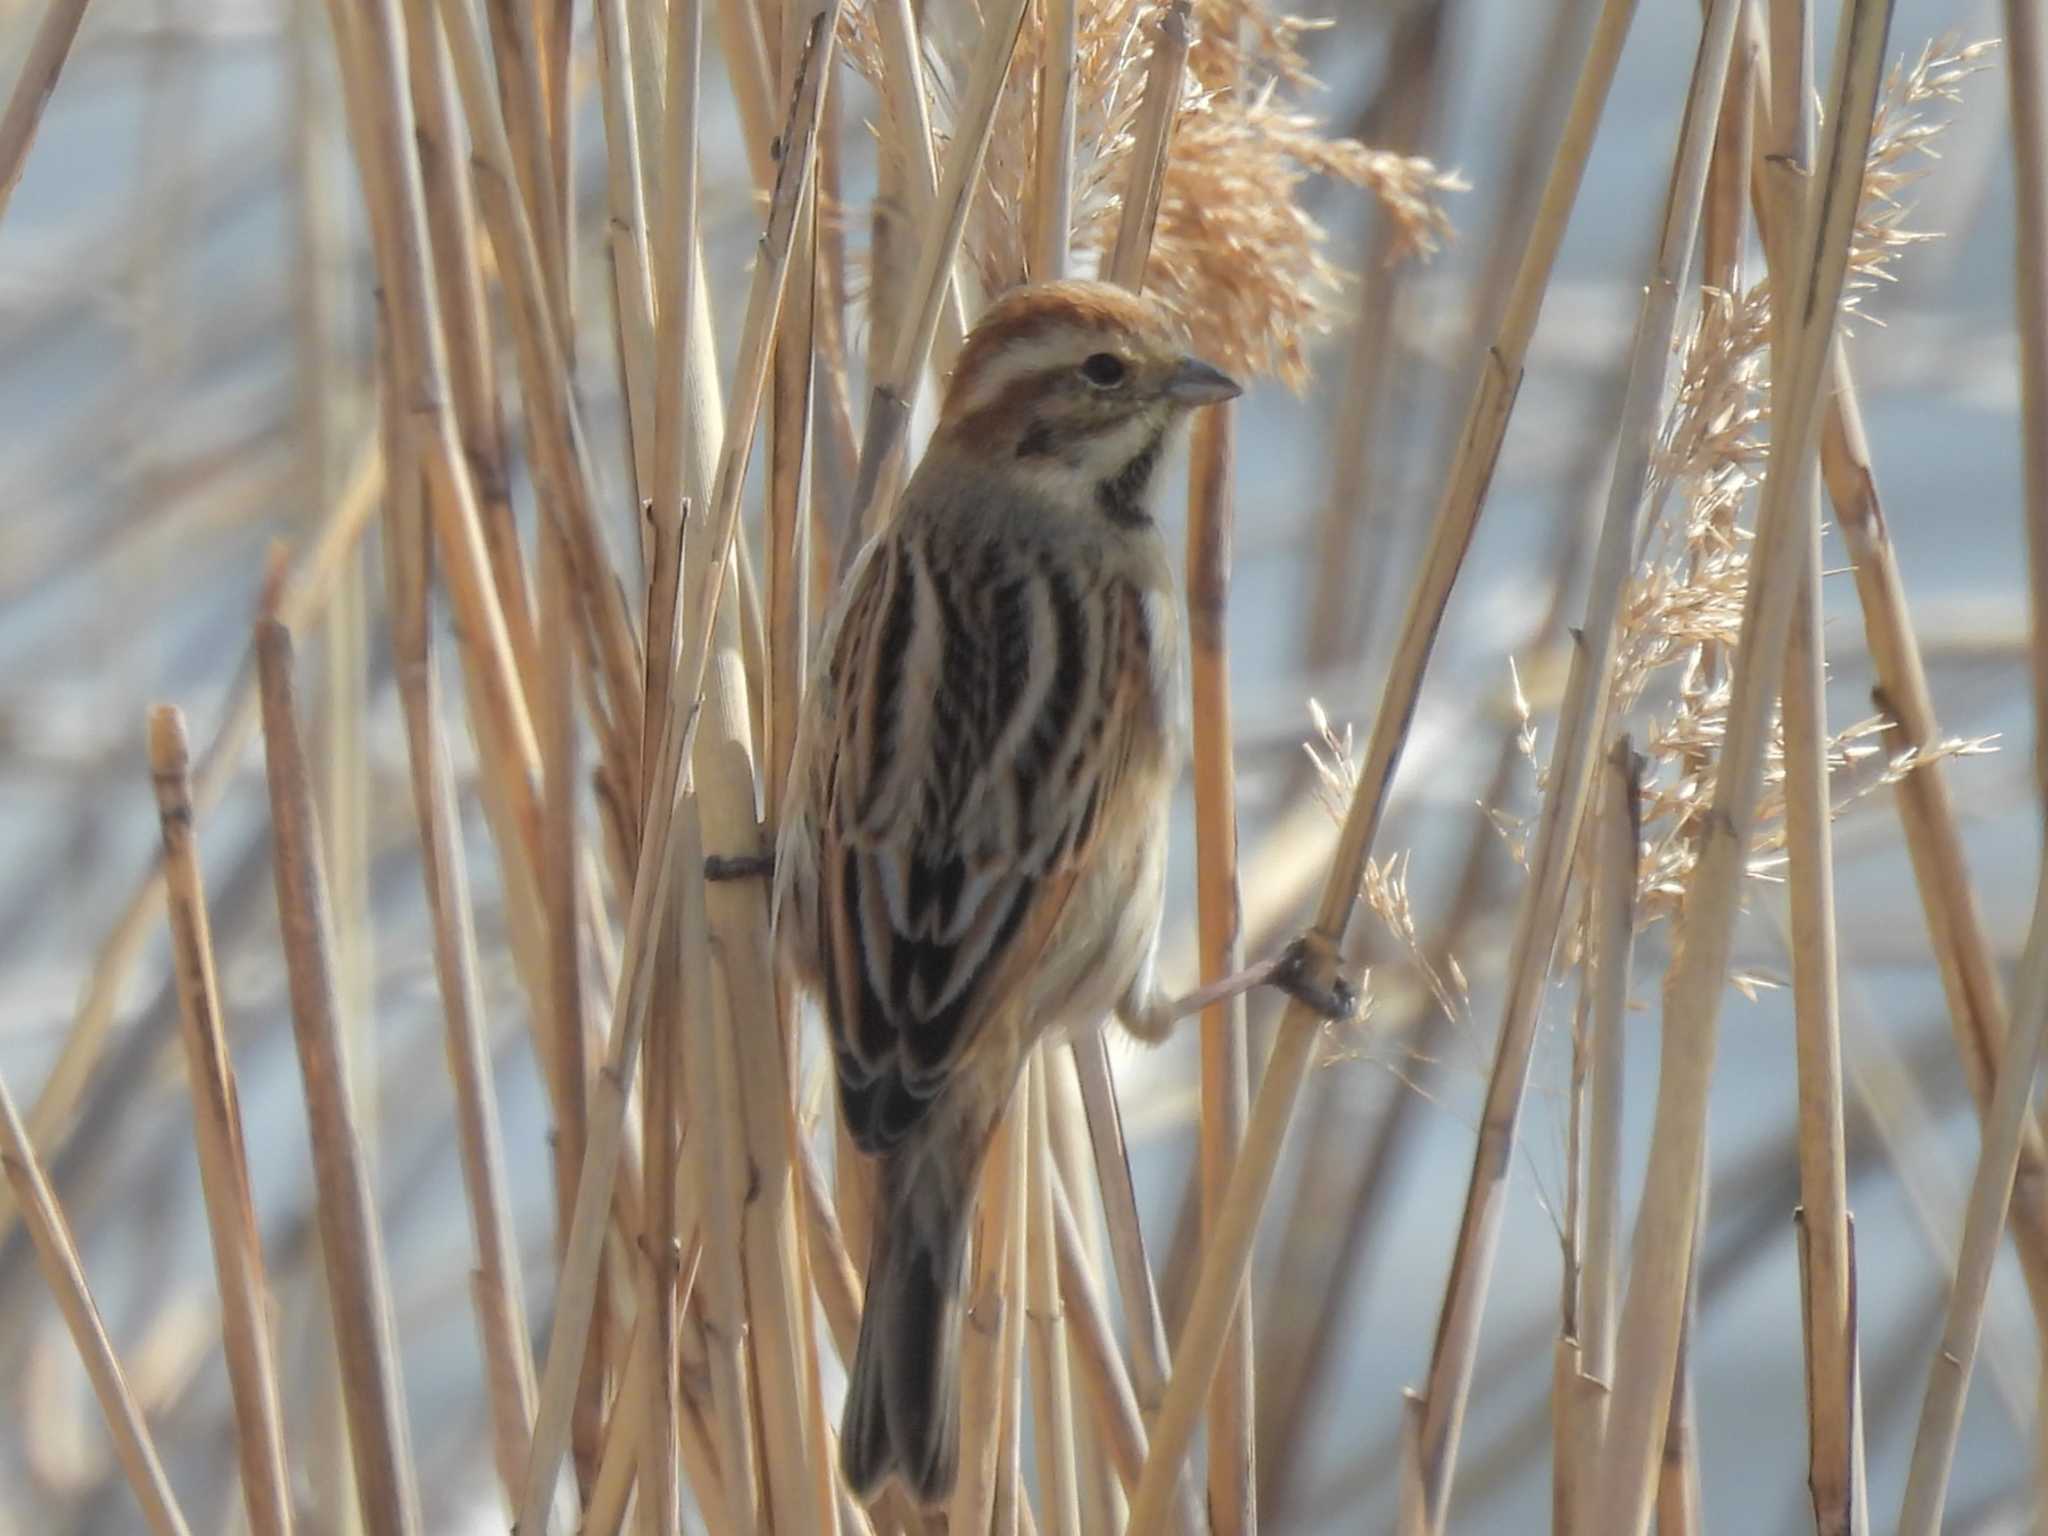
<point x="1683" y="607"/>
<point x="1234" y="252"/>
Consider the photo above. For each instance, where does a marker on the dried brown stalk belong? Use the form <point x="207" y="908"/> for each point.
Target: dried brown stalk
<point x="1200" y="1348"/>
<point x="1573" y="762"/>
<point x="1658" y="1276"/>
<point x="223" y="1157"/>
<point x="357" y="1286"/>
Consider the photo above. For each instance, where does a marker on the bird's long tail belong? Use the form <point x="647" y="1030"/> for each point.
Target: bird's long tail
<point x="903" y="1397"/>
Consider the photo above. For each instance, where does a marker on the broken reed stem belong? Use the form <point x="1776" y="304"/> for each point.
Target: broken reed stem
<point x="1058" y="1481"/>
<point x="501" y="1309"/>
<point x="47" y="51"/>
<point x="1941" y="1412"/>
<point x="577" y="1285"/>
<point x="302" y="596"/>
<point x="1053" y="207"/>
<point x="1158" y="111"/>
<point x="1653" y="1315"/>
<point x="1571" y="772"/>
<point x="223" y="1156"/>
<point x="57" y="1255"/>
<point x="1226" y="1070"/>
<point x="1200" y="1348"/>
<point x="895" y="388"/>
<point x="358" y="1290"/>
<point x="2026" y="78"/>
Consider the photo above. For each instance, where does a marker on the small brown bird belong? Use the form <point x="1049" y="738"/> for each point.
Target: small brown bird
<point x="975" y="846"/>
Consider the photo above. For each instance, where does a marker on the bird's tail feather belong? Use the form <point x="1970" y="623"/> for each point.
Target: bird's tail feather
<point x="903" y="1397"/>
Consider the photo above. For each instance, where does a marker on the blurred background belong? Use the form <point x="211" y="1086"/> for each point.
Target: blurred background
<point x="186" y="356"/>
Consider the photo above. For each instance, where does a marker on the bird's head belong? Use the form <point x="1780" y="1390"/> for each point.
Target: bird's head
<point x="1075" y="386"/>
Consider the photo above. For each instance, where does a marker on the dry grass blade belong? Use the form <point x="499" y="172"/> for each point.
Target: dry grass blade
<point x="1200" y="1348"/>
<point x="1658" y="1277"/>
<point x="47" y="52"/>
<point x="57" y="1253"/>
<point x="1059" y="1492"/>
<point x="358" y="1289"/>
<point x="223" y="1158"/>
<point x="1571" y="772"/>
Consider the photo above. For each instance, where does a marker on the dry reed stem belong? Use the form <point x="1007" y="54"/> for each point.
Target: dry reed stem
<point x="895" y="386"/>
<point x="501" y="1309"/>
<point x="523" y="95"/>
<point x="576" y="1289"/>
<point x="369" y="43"/>
<point x="223" y="1156"/>
<point x="983" y="1326"/>
<point x="57" y="1255"/>
<point x="1158" y="111"/>
<point x="1832" y="1412"/>
<point x="47" y="51"/>
<point x="1572" y="766"/>
<point x="1053" y="205"/>
<point x="561" y="458"/>
<point x="451" y="224"/>
<point x="1226" y="1071"/>
<point x="1144" y="1325"/>
<point x="1097" y="1361"/>
<point x="1941" y="1412"/>
<point x="909" y="113"/>
<point x="1058" y="1481"/>
<point x="301" y="597"/>
<point x="627" y="232"/>
<point x="358" y="1290"/>
<point x="1679" y="1497"/>
<point x="1200" y="1348"/>
<point x="1927" y="814"/>
<point x="1653" y="1315"/>
<point x="1617" y="833"/>
<point x="2026" y="79"/>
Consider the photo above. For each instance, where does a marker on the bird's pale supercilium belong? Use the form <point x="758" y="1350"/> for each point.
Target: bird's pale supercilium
<point x="974" y="849"/>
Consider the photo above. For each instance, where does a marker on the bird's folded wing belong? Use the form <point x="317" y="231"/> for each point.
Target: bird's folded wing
<point x="983" y="720"/>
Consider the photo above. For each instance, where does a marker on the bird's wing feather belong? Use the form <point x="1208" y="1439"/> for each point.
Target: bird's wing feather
<point x="982" y="721"/>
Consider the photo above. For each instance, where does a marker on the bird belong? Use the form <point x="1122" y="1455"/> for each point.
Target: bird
<point x="973" y="852"/>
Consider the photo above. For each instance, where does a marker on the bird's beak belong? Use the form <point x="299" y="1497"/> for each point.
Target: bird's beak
<point x="1195" y="382"/>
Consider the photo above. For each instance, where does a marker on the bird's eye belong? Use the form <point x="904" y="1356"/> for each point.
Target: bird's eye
<point x="1105" y="370"/>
